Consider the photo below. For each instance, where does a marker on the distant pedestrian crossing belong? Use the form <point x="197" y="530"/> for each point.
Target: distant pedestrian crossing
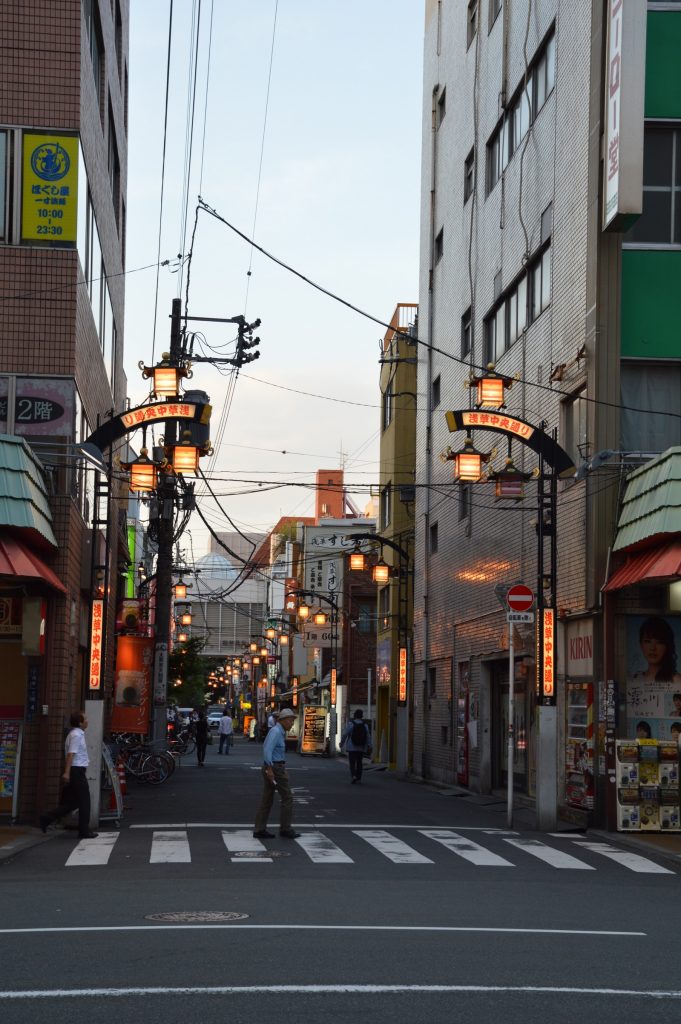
<point x="417" y="847"/>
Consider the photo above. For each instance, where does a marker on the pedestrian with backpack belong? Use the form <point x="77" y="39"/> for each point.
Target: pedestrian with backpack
<point x="356" y="740"/>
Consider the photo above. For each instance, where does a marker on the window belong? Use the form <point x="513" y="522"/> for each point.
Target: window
<point x="472" y="22"/>
<point x="441" y="107"/>
<point x="525" y="104"/>
<point x="444" y="732"/>
<point x="509" y="316"/>
<point x="114" y="168"/>
<point x="3" y="186"/>
<point x="119" y="40"/>
<point x="94" y="35"/>
<point x="433" y="539"/>
<point x="384" y="607"/>
<point x="439" y="245"/>
<point x="366" y="617"/>
<point x="435" y="392"/>
<point x="387" y="407"/>
<point x="494" y="11"/>
<point x="466" y="333"/>
<point x="432" y="680"/>
<point x="575" y="410"/>
<point x="469" y="175"/>
<point x="660" y="222"/>
<point x="649" y="385"/>
<point x="386" y="500"/>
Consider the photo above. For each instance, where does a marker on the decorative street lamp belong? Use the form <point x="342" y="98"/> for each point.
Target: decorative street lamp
<point x="509" y="482"/>
<point x="166" y="377"/>
<point x="303" y="611"/>
<point x="380" y="572"/>
<point x="357" y="560"/>
<point x="468" y="462"/>
<point x="180" y="589"/>
<point x="490" y="388"/>
<point x="320" y="618"/>
<point x="143" y="472"/>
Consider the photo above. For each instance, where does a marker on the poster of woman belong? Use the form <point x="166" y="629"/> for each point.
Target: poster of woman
<point x="653" y="679"/>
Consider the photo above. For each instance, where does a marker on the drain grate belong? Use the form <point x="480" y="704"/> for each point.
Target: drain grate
<point x="198" y="917"/>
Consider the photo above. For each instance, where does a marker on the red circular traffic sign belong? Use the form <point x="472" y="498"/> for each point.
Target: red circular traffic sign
<point x="519" y="598"/>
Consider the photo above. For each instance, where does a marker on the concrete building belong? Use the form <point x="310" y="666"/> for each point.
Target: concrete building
<point x="526" y="264"/>
<point x="397" y="495"/>
<point x="63" y="161"/>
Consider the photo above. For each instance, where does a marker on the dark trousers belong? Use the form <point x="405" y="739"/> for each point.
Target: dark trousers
<point x="76" y="794"/>
<point x="281" y="784"/>
<point x="355" y="761"/>
<point x="225" y="741"/>
<point x="201" y="750"/>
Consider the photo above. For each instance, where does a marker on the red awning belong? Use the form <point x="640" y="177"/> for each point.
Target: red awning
<point x="654" y="564"/>
<point x="18" y="561"/>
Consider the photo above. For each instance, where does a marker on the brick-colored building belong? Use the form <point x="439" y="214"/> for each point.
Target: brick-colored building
<point x="63" y="165"/>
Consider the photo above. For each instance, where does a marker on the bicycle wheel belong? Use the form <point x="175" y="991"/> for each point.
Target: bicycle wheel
<point x="168" y="760"/>
<point x="155" y="769"/>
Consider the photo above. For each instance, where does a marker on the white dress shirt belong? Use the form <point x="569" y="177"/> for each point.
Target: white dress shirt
<point x="75" y="744"/>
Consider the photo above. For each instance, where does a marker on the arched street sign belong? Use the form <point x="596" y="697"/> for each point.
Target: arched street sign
<point x="156" y="412"/>
<point x="511" y="426"/>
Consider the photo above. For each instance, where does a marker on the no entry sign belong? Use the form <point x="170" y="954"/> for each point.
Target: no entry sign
<point x="519" y="598"/>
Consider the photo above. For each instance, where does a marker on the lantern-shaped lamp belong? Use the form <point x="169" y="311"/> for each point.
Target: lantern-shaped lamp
<point x="303" y="610"/>
<point x="185" y="456"/>
<point x="270" y="633"/>
<point x="255" y="659"/>
<point x="319" y="618"/>
<point x="186" y="619"/>
<point x="263" y="652"/>
<point x="182" y="638"/>
<point x="468" y="463"/>
<point x="143" y="472"/>
<point x="283" y="639"/>
<point x="253" y="647"/>
<point x="380" y="572"/>
<point x="490" y="388"/>
<point x="180" y="590"/>
<point x="357" y="560"/>
<point x="166" y="377"/>
<point x="509" y="482"/>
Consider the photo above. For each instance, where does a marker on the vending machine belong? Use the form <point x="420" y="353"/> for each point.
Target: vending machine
<point x="647" y="786"/>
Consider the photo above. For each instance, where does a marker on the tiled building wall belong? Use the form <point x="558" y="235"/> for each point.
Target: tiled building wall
<point x="495" y="542"/>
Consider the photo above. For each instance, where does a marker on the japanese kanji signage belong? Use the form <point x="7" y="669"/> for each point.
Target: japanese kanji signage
<point x="548" y="655"/>
<point x="96" y="643"/>
<point x="402" y="678"/>
<point x="49" y="189"/>
<point x="42" y="406"/>
<point x="624" y="95"/>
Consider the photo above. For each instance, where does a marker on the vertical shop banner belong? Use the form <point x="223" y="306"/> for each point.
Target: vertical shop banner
<point x="49" y="189"/>
<point x="132" y="691"/>
<point x="653" y="680"/>
<point x="96" y="643"/>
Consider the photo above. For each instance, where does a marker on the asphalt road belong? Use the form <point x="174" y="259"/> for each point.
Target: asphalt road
<point x="398" y="903"/>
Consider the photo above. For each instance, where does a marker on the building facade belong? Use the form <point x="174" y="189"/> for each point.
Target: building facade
<point x="63" y="161"/>
<point x="527" y="263"/>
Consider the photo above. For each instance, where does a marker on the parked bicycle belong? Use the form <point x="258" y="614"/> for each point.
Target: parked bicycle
<point x="144" y="762"/>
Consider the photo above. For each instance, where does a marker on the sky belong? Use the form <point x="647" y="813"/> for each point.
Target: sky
<point x="338" y="200"/>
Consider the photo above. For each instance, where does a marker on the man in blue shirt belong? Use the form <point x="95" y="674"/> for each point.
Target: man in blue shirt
<point x="274" y="777"/>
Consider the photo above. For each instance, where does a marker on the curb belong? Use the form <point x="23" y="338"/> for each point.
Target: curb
<point x="648" y="846"/>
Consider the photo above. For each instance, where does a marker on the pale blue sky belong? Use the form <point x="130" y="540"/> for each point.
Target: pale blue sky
<point x="339" y="201"/>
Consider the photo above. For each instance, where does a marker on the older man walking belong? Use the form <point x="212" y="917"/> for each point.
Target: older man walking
<point x="275" y="778"/>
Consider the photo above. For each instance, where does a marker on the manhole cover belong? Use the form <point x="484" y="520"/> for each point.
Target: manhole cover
<point x="198" y="916"/>
<point x="258" y="854"/>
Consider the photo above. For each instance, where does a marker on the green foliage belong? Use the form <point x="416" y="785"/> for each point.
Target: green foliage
<point x="186" y="664"/>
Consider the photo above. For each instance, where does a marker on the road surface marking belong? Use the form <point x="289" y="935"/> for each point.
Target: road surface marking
<point x="92" y="852"/>
<point x="246" y="842"/>
<point x="392" y="848"/>
<point x="556" y="858"/>
<point x="633" y="861"/>
<point x="322" y="850"/>
<point x="460" y="929"/>
<point x="170" y="848"/>
<point x="466" y="848"/>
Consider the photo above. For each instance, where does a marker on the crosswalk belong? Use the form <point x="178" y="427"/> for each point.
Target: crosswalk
<point x="426" y="846"/>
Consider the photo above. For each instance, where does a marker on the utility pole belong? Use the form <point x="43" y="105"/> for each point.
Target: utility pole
<point x="164" y="560"/>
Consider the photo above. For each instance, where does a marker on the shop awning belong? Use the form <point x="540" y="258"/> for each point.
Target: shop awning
<point x="18" y="562"/>
<point x="662" y="562"/>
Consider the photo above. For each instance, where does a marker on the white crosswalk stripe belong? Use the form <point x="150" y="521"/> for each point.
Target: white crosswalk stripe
<point x="171" y="845"/>
<point x="466" y="848"/>
<point x="91" y="852"/>
<point x="322" y="850"/>
<point x="556" y="858"/>
<point x="240" y="841"/>
<point x="170" y="848"/>
<point x="391" y="847"/>
<point x="626" y="858"/>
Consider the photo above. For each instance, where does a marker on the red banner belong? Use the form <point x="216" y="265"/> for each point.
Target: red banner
<point x="134" y="659"/>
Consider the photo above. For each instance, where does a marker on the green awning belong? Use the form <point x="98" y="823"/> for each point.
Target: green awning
<point x="651" y="509"/>
<point x="23" y="495"/>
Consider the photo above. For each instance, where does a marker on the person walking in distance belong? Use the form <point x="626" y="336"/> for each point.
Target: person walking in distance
<point x="76" y="792"/>
<point x="201" y="734"/>
<point x="274" y="777"/>
<point x="357" y="742"/>
<point x="225" y="731"/>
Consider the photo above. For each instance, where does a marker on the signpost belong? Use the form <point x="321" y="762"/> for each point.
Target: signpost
<point x="519" y="601"/>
